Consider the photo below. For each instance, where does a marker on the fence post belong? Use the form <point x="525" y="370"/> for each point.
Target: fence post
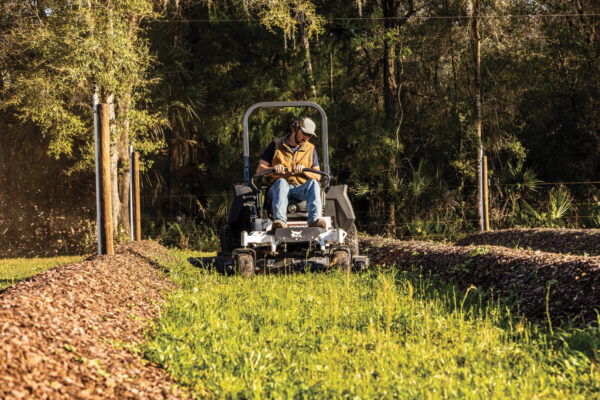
<point x="131" y="232"/>
<point x="96" y="145"/>
<point x="106" y="229"/>
<point x="486" y="203"/>
<point x="136" y="197"/>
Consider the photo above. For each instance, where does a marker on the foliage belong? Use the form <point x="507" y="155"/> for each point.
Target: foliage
<point x="404" y="141"/>
<point x="560" y="203"/>
<point x="332" y="335"/>
<point x="55" y="53"/>
<point x="184" y="234"/>
<point x="516" y="183"/>
<point x="286" y="15"/>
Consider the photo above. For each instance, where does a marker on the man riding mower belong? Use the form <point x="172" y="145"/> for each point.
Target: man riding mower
<point x="289" y="223"/>
<point x="289" y="156"/>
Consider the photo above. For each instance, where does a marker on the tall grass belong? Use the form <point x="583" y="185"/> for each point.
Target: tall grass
<point x="375" y="335"/>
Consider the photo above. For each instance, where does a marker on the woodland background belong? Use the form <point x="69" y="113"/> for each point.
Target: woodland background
<point x="396" y="78"/>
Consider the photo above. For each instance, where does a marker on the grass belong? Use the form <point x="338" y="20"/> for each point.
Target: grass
<point x="367" y="336"/>
<point x="184" y="254"/>
<point x="13" y="270"/>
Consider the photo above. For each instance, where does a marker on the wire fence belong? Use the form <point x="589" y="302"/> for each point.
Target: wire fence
<point x="399" y="18"/>
<point x="440" y="222"/>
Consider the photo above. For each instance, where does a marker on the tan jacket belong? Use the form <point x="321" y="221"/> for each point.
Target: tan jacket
<point x="283" y="155"/>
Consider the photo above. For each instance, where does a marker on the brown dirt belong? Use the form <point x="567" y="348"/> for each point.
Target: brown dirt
<point x="73" y="331"/>
<point x="574" y="241"/>
<point x="515" y="275"/>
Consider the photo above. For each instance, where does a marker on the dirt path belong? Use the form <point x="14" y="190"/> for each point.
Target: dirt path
<point x="517" y="275"/>
<point x="72" y="331"/>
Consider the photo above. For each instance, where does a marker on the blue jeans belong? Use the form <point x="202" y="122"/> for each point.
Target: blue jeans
<point x="281" y="192"/>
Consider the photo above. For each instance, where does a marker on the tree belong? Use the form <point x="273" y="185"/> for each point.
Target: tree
<point x="53" y="53"/>
<point x="395" y="14"/>
<point x="291" y="16"/>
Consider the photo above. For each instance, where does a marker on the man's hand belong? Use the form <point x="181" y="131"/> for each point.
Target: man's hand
<point x="279" y="168"/>
<point x="298" y="169"/>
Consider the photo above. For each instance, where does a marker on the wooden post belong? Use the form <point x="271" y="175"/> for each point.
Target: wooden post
<point x="486" y="204"/>
<point x="131" y="233"/>
<point x="106" y="226"/>
<point x="137" y="211"/>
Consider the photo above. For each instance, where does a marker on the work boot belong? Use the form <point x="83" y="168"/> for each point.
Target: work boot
<point x="318" y="223"/>
<point x="279" y="224"/>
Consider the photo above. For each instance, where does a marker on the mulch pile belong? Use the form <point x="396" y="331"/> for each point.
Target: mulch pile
<point x="523" y="275"/>
<point x="72" y="331"/>
<point x="574" y="241"/>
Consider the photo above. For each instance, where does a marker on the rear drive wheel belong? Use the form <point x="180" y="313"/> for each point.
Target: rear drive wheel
<point x="230" y="239"/>
<point x="245" y="264"/>
<point x="351" y="240"/>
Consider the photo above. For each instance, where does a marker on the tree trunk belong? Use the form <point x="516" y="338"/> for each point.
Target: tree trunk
<point x="306" y="46"/>
<point x="390" y="228"/>
<point x="390" y="88"/>
<point x="173" y="165"/>
<point x="114" y="166"/>
<point x="389" y="82"/>
<point x="478" y="118"/>
<point x="119" y="161"/>
<point x="392" y="23"/>
<point x="390" y="11"/>
<point x="391" y="92"/>
<point x="124" y="165"/>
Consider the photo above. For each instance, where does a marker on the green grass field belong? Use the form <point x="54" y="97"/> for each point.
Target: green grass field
<point x="16" y="269"/>
<point x="373" y="335"/>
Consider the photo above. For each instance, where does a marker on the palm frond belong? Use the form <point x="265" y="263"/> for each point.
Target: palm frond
<point x="561" y="202"/>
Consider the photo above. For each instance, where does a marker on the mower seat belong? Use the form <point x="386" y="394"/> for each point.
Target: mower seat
<point x="297" y="210"/>
<point x="297" y="206"/>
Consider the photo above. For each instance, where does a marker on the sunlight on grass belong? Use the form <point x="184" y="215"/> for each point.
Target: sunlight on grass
<point x="373" y="335"/>
<point x="16" y="269"/>
<point x="192" y="253"/>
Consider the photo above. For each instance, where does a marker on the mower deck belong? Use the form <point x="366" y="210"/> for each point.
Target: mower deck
<point x="273" y="264"/>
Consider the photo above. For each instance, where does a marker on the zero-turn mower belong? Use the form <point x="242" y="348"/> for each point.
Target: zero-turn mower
<point x="249" y="244"/>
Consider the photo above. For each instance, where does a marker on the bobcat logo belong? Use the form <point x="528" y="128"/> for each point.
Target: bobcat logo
<point x="296" y="235"/>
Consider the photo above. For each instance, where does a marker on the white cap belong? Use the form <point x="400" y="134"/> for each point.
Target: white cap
<point x="307" y="125"/>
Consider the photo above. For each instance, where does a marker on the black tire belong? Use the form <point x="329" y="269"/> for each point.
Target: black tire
<point x="351" y="241"/>
<point x="245" y="264"/>
<point x="342" y="260"/>
<point x="230" y="239"/>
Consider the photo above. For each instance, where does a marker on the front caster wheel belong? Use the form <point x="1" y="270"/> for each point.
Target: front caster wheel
<point x="342" y="259"/>
<point x="244" y="264"/>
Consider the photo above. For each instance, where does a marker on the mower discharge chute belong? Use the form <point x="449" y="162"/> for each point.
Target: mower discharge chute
<point x="249" y="244"/>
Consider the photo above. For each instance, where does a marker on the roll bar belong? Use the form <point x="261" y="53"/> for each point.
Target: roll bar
<point x="283" y="104"/>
